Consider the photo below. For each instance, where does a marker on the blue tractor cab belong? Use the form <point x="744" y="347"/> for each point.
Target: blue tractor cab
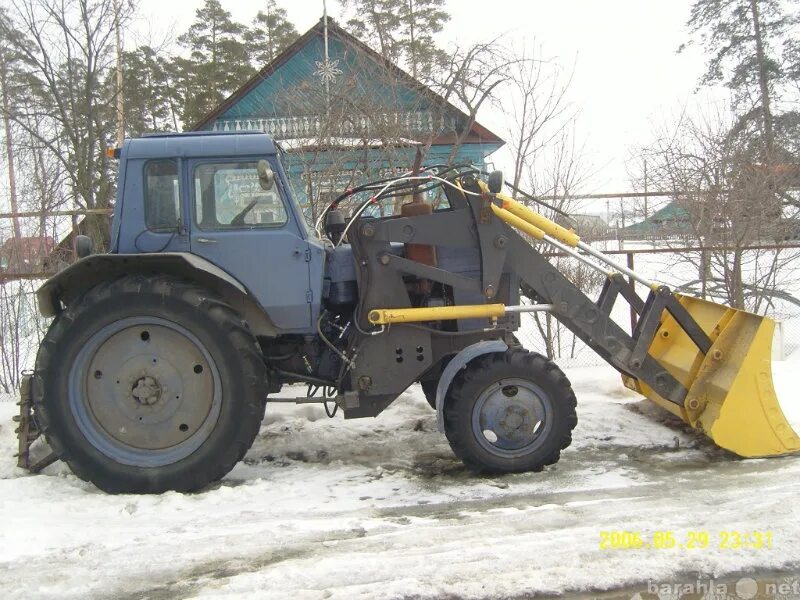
<point x="199" y="193"/>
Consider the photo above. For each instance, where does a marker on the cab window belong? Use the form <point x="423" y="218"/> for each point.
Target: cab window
<point x="161" y="195"/>
<point x="228" y="195"/>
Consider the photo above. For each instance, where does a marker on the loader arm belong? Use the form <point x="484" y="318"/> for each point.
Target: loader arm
<point x="591" y="321"/>
<point x="706" y="363"/>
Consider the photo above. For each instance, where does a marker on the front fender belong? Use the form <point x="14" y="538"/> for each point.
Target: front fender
<point x="88" y="272"/>
<point x="458" y="362"/>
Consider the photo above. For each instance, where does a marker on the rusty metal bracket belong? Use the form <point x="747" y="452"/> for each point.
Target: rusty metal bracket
<point x="28" y="431"/>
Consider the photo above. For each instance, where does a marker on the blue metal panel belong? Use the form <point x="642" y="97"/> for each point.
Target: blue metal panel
<point x="192" y="144"/>
<point x="270" y="262"/>
<point x="133" y="237"/>
<point x="281" y="267"/>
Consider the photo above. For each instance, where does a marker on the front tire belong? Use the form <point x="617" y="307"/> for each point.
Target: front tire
<point x="145" y="385"/>
<point x="510" y="412"/>
<point x="429" y="390"/>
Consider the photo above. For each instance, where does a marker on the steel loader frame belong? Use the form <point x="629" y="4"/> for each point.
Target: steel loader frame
<point x="477" y="219"/>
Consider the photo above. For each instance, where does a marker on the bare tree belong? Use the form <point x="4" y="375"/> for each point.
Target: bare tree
<point x="537" y="111"/>
<point x="69" y="46"/>
<point x="472" y="78"/>
<point x="21" y="329"/>
<point x="732" y="201"/>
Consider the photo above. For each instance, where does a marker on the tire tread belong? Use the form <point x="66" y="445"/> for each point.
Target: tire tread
<point x="531" y="365"/>
<point x="216" y="309"/>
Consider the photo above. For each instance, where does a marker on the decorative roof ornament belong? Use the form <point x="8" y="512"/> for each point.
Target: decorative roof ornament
<point x="328" y="70"/>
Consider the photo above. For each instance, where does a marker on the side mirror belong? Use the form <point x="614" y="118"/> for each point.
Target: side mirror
<point x="83" y="246"/>
<point x="266" y="178"/>
<point x="495" y="182"/>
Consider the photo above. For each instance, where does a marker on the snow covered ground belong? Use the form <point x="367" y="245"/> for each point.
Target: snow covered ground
<point x="380" y="508"/>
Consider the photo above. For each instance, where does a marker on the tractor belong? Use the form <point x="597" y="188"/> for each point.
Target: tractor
<point x="164" y="352"/>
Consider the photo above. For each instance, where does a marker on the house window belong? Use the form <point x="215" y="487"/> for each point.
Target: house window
<point x="161" y="195"/>
<point x="229" y="195"/>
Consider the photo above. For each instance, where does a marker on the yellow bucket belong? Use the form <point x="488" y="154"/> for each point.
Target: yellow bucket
<point x="731" y="396"/>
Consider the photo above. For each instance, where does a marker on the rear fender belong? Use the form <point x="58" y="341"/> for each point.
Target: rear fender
<point x="458" y="362"/>
<point x="71" y="283"/>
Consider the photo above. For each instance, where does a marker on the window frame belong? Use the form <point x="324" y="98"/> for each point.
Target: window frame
<point x="146" y="196"/>
<point x="287" y="212"/>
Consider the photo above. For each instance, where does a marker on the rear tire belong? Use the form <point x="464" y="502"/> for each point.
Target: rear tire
<point x="510" y="412"/>
<point x="145" y="385"/>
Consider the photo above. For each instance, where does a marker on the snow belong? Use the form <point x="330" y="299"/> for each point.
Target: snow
<point x="381" y="508"/>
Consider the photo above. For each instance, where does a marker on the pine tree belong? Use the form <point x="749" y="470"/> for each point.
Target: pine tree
<point x="421" y="21"/>
<point x="743" y="38"/>
<point x="271" y="33"/>
<point x="402" y="30"/>
<point x="150" y="100"/>
<point x="12" y="87"/>
<point x="218" y="63"/>
<point x="377" y="23"/>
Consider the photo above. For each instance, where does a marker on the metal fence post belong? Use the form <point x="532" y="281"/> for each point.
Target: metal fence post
<point x="634" y="316"/>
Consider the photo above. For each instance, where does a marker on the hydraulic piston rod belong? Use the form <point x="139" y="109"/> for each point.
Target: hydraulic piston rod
<point x="540" y="227"/>
<point x="387" y="316"/>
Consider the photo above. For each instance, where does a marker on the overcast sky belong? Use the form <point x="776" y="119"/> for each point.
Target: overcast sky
<point x="627" y="72"/>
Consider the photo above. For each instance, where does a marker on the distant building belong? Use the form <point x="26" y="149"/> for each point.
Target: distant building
<point x="349" y="119"/>
<point x="671" y="220"/>
<point x="25" y="255"/>
<point x="591" y="227"/>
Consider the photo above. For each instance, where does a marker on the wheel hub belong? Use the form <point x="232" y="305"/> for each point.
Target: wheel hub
<point x="515" y="418"/>
<point x="146" y="390"/>
<point x="510" y="417"/>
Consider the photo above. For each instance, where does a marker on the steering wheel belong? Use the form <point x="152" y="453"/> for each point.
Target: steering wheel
<point x="239" y="219"/>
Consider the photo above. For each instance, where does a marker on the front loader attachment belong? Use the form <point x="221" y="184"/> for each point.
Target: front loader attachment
<point x="730" y="397"/>
<point x="707" y="363"/>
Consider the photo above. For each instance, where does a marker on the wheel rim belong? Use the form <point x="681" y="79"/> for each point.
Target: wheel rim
<point x="512" y="417"/>
<point x="145" y="391"/>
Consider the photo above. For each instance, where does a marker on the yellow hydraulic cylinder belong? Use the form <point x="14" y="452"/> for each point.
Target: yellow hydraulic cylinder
<point x="520" y="224"/>
<point x="540" y="223"/>
<point x="386" y="316"/>
<point x="562" y="234"/>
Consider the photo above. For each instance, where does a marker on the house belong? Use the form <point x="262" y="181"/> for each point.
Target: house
<point x="671" y="220"/>
<point x="25" y="255"/>
<point x="345" y="115"/>
<point x="591" y="227"/>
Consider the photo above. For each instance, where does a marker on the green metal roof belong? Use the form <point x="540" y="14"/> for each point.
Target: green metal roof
<point x="672" y="216"/>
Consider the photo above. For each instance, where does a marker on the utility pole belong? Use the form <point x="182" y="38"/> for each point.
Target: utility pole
<point x="120" y="98"/>
<point x="645" y="188"/>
